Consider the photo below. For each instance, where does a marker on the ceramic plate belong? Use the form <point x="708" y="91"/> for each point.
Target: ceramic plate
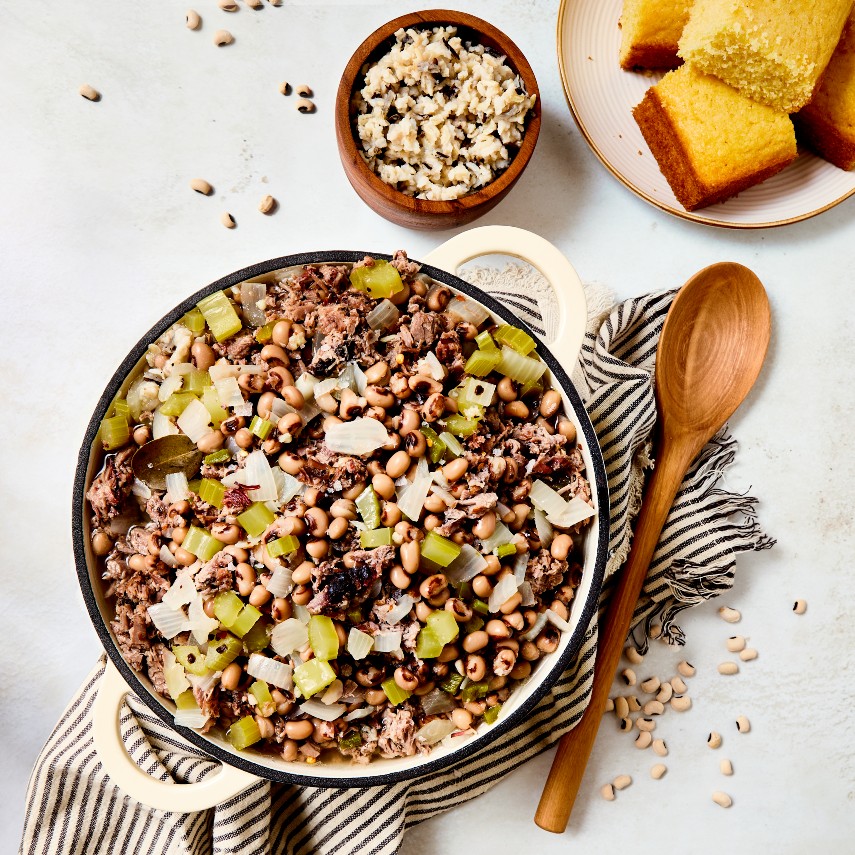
<point x="601" y="96"/>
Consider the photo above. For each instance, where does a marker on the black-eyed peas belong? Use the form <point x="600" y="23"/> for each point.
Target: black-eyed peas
<point x="299" y="730"/>
<point x="405" y="679"/>
<point x="377" y="396"/>
<point x="476" y="667"/>
<point x="318" y="521"/>
<point x="485" y="526"/>
<point x="337" y="528"/>
<point x="497" y="629"/>
<point x="397" y="464"/>
<point x="561" y="546"/>
<point x="318" y="548"/>
<point x="280" y="609"/>
<point x="455" y="469"/>
<point x="245" y="577"/>
<point x="506" y="390"/>
<point x="231" y="676"/>
<point x="378" y="374"/>
<point x="415" y="444"/>
<point x="281" y="332"/>
<point x="481" y="587"/>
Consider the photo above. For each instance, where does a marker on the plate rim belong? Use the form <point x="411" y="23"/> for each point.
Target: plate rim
<point x="682" y="214"/>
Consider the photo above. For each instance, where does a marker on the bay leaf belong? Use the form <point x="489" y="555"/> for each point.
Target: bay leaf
<point x="168" y="455"/>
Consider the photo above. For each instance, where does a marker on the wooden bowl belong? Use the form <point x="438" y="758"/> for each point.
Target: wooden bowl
<point x="386" y="200"/>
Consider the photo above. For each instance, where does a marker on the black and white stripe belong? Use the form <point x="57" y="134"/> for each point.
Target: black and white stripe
<point x="73" y="808"/>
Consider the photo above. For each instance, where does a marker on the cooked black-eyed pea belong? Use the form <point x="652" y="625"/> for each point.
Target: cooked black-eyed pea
<point x="549" y="403"/>
<point x="230" y="678"/>
<point x="344" y="509"/>
<point x="246" y="578"/>
<point x="448" y="653"/>
<point x="406" y="531"/>
<point x="567" y="429"/>
<point x="289" y="426"/>
<point x="293" y="525"/>
<point x="352" y="405"/>
<point x="289" y="750"/>
<point x="476" y="641"/>
<point x="486" y="526"/>
<point x="410" y="556"/>
<point x="376" y="697"/>
<point x="101" y="543"/>
<point x="274" y="354"/>
<point x="178" y="535"/>
<point x="329" y="421"/>
<point x="354" y="492"/>
<point x="521" y="512"/>
<point x="280" y="609"/>
<point x="438" y="298"/>
<point x="399" y="385"/>
<point x="459" y="609"/>
<point x="476" y="707"/>
<point x="399" y="578"/>
<point x="416" y="444"/>
<point x="390" y="514"/>
<point x="516" y="410"/>
<point x="317" y="520"/>
<point x="506" y="390"/>
<point x="560" y="547"/>
<point x="455" y="469"/>
<point x="137" y="562"/>
<point x="377" y="396"/>
<point x="423" y="385"/>
<point x="548" y="640"/>
<point x="318" y="548"/>
<point x="265" y="403"/>
<point x="280" y="333"/>
<point x="497" y="629"/>
<point x="278" y="377"/>
<point x="433" y="586"/>
<point x="482" y="587"/>
<point x="293" y="397"/>
<point x="493" y="567"/>
<point x="476" y="667"/>
<point x="405" y="679"/>
<point x="299" y="730"/>
<point x="515" y="620"/>
<point x="226" y="533"/>
<point x="182" y="556"/>
<point x="397" y="464"/>
<point x="231" y="426"/>
<point x="434" y="407"/>
<point x="461" y="718"/>
<point x="510" y="605"/>
<point x="142" y="434"/>
<point x="377" y="374"/>
<point x="259" y="596"/>
<point x="237" y="552"/>
<point x="560" y="609"/>
<point x="326" y="402"/>
<point x="301" y="595"/>
<point x="436" y="505"/>
<point x="383" y="485"/>
<point x="545" y="424"/>
<point x="504" y="662"/>
<point x="203" y="355"/>
<point x="337" y="528"/>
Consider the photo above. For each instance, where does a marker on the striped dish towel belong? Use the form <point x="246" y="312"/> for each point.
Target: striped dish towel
<point x="72" y="807"/>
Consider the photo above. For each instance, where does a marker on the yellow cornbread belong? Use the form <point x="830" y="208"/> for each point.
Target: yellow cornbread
<point x="709" y="141"/>
<point x="827" y="123"/>
<point x="650" y="30"/>
<point x="770" y="50"/>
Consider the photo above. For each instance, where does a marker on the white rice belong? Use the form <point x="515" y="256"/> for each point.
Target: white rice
<point x="438" y="118"/>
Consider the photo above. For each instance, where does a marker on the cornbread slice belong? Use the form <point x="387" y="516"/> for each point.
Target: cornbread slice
<point x="773" y="51"/>
<point x="650" y="30"/>
<point x="709" y="141"/>
<point x="827" y="123"/>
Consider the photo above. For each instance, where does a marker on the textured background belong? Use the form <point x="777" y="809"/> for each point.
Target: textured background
<point x="99" y="234"/>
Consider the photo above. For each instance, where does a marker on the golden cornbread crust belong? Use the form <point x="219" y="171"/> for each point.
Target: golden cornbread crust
<point x="772" y="51"/>
<point x="700" y="183"/>
<point x="650" y="56"/>
<point x="650" y="31"/>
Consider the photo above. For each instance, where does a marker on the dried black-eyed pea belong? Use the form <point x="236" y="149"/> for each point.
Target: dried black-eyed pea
<point x="666" y="692"/>
<point x="678" y="686"/>
<point x="285" y="87"/>
<point x="735" y="643"/>
<point x="714" y="740"/>
<point x="644" y="739"/>
<point x="304" y="105"/>
<point x="633" y="703"/>
<point x="742" y="724"/>
<point x="626" y="724"/>
<point x="607" y="791"/>
<point x="654" y="708"/>
<point x="657" y="771"/>
<point x="799" y="607"/>
<point x="253" y="4"/>
<point x="726" y="767"/>
<point x="610" y="705"/>
<point x="193" y="20"/>
<point x="223" y="37"/>
<point x="227" y="220"/>
<point x="722" y="799"/>
<point x="621" y="707"/>
<point x="201" y="186"/>
<point x="647" y="724"/>
<point x="632" y="655"/>
<point x="650" y="685"/>
<point x="267" y="204"/>
<point x="660" y="748"/>
<point x="729" y="614"/>
<point x="748" y="654"/>
<point x="686" y="669"/>
<point x="228" y="5"/>
<point x="655" y="631"/>
<point x="681" y="703"/>
<point x="622" y="782"/>
<point x="728" y="668"/>
<point x="628" y="676"/>
<point x="304" y="90"/>
<point x="275" y="2"/>
<point x="89" y="93"/>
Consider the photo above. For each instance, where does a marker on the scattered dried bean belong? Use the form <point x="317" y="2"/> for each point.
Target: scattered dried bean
<point x="729" y="614"/>
<point x="657" y="771"/>
<point x="742" y="724"/>
<point x="728" y="668"/>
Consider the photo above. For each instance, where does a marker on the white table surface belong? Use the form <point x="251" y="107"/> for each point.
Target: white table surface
<point x="99" y="234"/>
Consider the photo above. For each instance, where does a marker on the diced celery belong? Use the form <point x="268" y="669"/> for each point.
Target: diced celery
<point x="378" y="281"/>
<point x="227" y="606"/>
<point x="481" y="607"/>
<point x="212" y="492"/>
<point x="516" y="338"/>
<point x="120" y="407"/>
<point x="428" y="646"/>
<point x="534" y="385"/>
<point x="376" y="537"/>
<point x="212" y="404"/>
<point x="439" y="549"/>
<point x="352" y="740"/>
<point x="461" y="426"/>
<point x="473" y="624"/>
<point x="190" y="657"/>
<point x="368" y="506"/>
<point x="194" y="485"/>
<point x="263" y="334"/>
<point x="176" y="403"/>
<point x="197" y="381"/>
<point x="451" y="683"/>
<point x="474" y="691"/>
<point x="464" y="590"/>
<point x="505" y="550"/>
<point x="257" y="638"/>
<point x="323" y="639"/>
<point x="312" y="676"/>
<point x="521" y="369"/>
<point x="243" y="733"/>
<point x="114" y="432"/>
<point x="485" y="341"/>
<point x="223" y="650"/>
<point x="194" y="320"/>
<point x="220" y="456"/>
<point x="443" y="625"/>
<point x="261" y="692"/>
<point x="282" y="546"/>
<point x="201" y="544"/>
<point x="355" y="615"/>
<point x="260" y="427"/>
<point x="220" y="315"/>
<point x="452" y="445"/>
<point x="256" y="519"/>
<point x="476" y="392"/>
<point x="436" y="447"/>
<point x="186" y="701"/>
<point x="245" y="621"/>
<point x="492" y="713"/>
<point x="394" y="692"/>
<point x="482" y="362"/>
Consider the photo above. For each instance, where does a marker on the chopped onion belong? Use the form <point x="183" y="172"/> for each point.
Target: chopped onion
<point x="195" y="420"/>
<point x="400" y="610"/>
<point x="301" y="613"/>
<point x="289" y="487"/>
<point x="169" y="621"/>
<point x="288" y="636"/>
<point x="162" y="425"/>
<point x="347" y="378"/>
<point x="257" y="472"/>
<point x="141" y="490"/>
<point x="167" y="557"/>
<point x="536" y="628"/>
<point x="389" y="640"/>
<point x="411" y="499"/>
<point x="359" y="378"/>
<point x="468" y="310"/>
<point x="576" y="511"/>
<point x="326" y="387"/>
<point x="544" y="528"/>
<point x="359" y="643"/>
<point x="172" y="384"/>
<point x="177" y="488"/>
<point x="306" y="384"/>
<point x="499" y="537"/>
<point x="222" y="368"/>
<point x="362" y="712"/>
<point x="279" y="584"/>
<point x="277" y="673"/>
<point x="383" y="315"/>
<point x="558" y="510"/>
<point x="173" y="673"/>
<point x="229" y="392"/>
<point x="431" y="366"/>
<point x="360" y="436"/>
<point x="193" y="718"/>
<point x="334" y="691"/>
<point x="325" y="712"/>
<point x="436" y="701"/>
<point x="251" y="295"/>
<point x="528" y="598"/>
<point x="505" y="588"/>
<point x="441" y="481"/>
<point x="557" y="620"/>
<point x="243" y="410"/>
<point x="520" y="566"/>
<point x="182" y="591"/>
<point x="206" y="682"/>
<point x="446" y="497"/>
<point x="199" y="623"/>
<point x="468" y="564"/>
<point x="436" y="730"/>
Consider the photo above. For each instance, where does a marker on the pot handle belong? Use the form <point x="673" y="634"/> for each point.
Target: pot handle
<point x="125" y="774"/>
<point x="541" y="254"/>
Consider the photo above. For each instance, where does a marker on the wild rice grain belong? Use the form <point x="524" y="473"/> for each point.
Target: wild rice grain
<point x="201" y="186"/>
<point x="227" y="220"/>
<point x="628" y="676"/>
<point x="622" y="782"/>
<point x="742" y="724"/>
<point x="304" y="105"/>
<point x="89" y="93"/>
<point x="657" y="771"/>
<point x="650" y="685"/>
<point x="607" y="791"/>
<point x="686" y="669"/>
<point x="267" y="204"/>
<point x="748" y="654"/>
<point x="193" y="20"/>
<point x="714" y="740"/>
<point x="799" y="607"/>
<point x="722" y="799"/>
<point x="223" y="37"/>
<point x="632" y="655"/>
<point x="736" y="643"/>
<point x="726" y="767"/>
<point x="728" y="668"/>
<point x="644" y="739"/>
<point x="729" y="614"/>
<point x="660" y="748"/>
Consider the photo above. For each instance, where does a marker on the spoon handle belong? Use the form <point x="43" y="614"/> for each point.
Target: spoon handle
<point x="568" y="766"/>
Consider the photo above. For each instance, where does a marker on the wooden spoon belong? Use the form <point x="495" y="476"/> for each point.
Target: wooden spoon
<point x="710" y="352"/>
